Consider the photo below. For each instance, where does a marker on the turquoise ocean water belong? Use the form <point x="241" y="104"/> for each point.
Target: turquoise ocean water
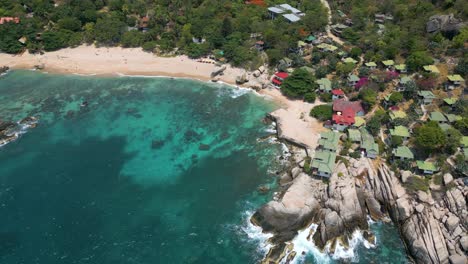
<point x="153" y="170"/>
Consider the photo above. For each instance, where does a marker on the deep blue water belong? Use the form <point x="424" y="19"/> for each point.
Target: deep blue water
<point x="153" y="170"/>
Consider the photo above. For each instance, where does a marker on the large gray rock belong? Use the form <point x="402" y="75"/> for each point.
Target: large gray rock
<point x="458" y="259"/>
<point x="444" y="24"/>
<point x="452" y="222"/>
<point x="405" y="175"/>
<point x="464" y="243"/>
<point x="448" y="178"/>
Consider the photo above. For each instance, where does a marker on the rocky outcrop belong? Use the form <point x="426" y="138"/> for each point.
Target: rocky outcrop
<point x="10" y="131"/>
<point x="434" y="230"/>
<point x="444" y="24"/>
<point x="4" y="69"/>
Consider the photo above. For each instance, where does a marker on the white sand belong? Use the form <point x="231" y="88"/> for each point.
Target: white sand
<point x="294" y="120"/>
<point x="295" y="124"/>
<point x="113" y="61"/>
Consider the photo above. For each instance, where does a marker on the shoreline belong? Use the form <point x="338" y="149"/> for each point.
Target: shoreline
<point x="86" y="60"/>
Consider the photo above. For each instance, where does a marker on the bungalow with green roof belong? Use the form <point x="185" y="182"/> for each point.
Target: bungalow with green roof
<point x="454" y="81"/>
<point x="402" y="82"/>
<point x="400" y="131"/>
<point x="354" y="135"/>
<point x="426" y="167"/>
<point x="451" y="118"/>
<point x="310" y="39"/>
<point x="464" y="142"/>
<point x="287" y="62"/>
<point x="371" y="65"/>
<point x="397" y="114"/>
<point x="359" y="122"/>
<point x="327" y="47"/>
<point x="350" y="60"/>
<point x="431" y="69"/>
<point x="368" y="145"/>
<point x="450" y="101"/>
<point x="323" y="163"/>
<point x="403" y="153"/>
<point x="325" y="85"/>
<point x="426" y="97"/>
<point x="353" y="79"/>
<point x="388" y="63"/>
<point x="445" y="126"/>
<point x="329" y="141"/>
<point x="401" y="68"/>
<point x="437" y="117"/>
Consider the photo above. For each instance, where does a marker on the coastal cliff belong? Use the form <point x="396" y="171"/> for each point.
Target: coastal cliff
<point x="433" y="231"/>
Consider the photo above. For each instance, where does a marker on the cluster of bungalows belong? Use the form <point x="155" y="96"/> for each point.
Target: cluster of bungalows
<point x="324" y="159"/>
<point x="368" y="147"/>
<point x="288" y="12"/>
<point x="345" y="113"/>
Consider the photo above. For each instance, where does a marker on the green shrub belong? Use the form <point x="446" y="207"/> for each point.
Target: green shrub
<point x="417" y="184"/>
<point x="325" y="97"/>
<point x="322" y="112"/>
<point x="310" y="97"/>
<point x="307" y="162"/>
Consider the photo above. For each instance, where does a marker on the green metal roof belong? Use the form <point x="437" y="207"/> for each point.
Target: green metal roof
<point x="464" y="141"/>
<point x="437" y="116"/>
<point x="426" y="94"/>
<point x="329" y="140"/>
<point x="359" y="121"/>
<point x="310" y="38"/>
<point x="405" y="79"/>
<point x="324" y="161"/>
<point x="431" y="68"/>
<point x="445" y="126"/>
<point x="301" y="43"/>
<point x="371" y="64"/>
<point x="452" y="118"/>
<point x="400" y="67"/>
<point x="354" y="135"/>
<point x="400" y="131"/>
<point x="397" y="114"/>
<point x="326" y="46"/>
<point x="368" y="142"/>
<point x="455" y="78"/>
<point x="350" y="60"/>
<point x="426" y="165"/>
<point x="388" y="62"/>
<point x="451" y="100"/>
<point x="324" y="84"/>
<point x="403" y="152"/>
<point x="353" y="78"/>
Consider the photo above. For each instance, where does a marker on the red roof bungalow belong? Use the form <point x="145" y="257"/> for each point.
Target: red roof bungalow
<point x="342" y="120"/>
<point x="279" y="78"/>
<point x="4" y="20"/>
<point x="256" y="2"/>
<point x="337" y="94"/>
<point x="342" y="105"/>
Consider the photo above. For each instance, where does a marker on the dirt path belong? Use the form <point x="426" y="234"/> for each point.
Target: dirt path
<point x="328" y="29"/>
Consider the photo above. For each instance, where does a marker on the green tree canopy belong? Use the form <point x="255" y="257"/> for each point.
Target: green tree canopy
<point x="430" y="136"/>
<point x="109" y="30"/>
<point x="322" y="112"/>
<point x="418" y="59"/>
<point x="298" y="84"/>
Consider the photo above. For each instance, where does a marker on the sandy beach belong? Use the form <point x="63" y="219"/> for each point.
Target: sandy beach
<point x="89" y="60"/>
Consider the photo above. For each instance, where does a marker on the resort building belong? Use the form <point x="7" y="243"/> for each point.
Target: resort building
<point x="345" y="113"/>
<point x="401" y="68"/>
<point x="371" y="65"/>
<point x="437" y="117"/>
<point x="368" y="145"/>
<point x="358" y="122"/>
<point x="354" y="135"/>
<point x="323" y="163"/>
<point x="426" y="97"/>
<point x="431" y="69"/>
<point x="350" y="60"/>
<point x="402" y="82"/>
<point x="454" y="81"/>
<point x="337" y="94"/>
<point x="426" y="167"/>
<point x="279" y="78"/>
<point x="403" y="153"/>
<point x="451" y="118"/>
<point x="342" y="105"/>
<point x="286" y="62"/>
<point x="450" y="101"/>
<point x="329" y="141"/>
<point x="353" y="79"/>
<point x="400" y="131"/>
<point x="397" y="114"/>
<point x="327" y="47"/>
<point x="288" y="12"/>
<point x="4" y="20"/>
<point x="388" y="64"/>
<point x="325" y="85"/>
<point x="338" y="28"/>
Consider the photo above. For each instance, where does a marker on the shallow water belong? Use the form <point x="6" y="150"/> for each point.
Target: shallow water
<point x="153" y="170"/>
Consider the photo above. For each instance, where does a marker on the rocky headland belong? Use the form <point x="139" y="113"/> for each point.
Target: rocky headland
<point x="434" y="228"/>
